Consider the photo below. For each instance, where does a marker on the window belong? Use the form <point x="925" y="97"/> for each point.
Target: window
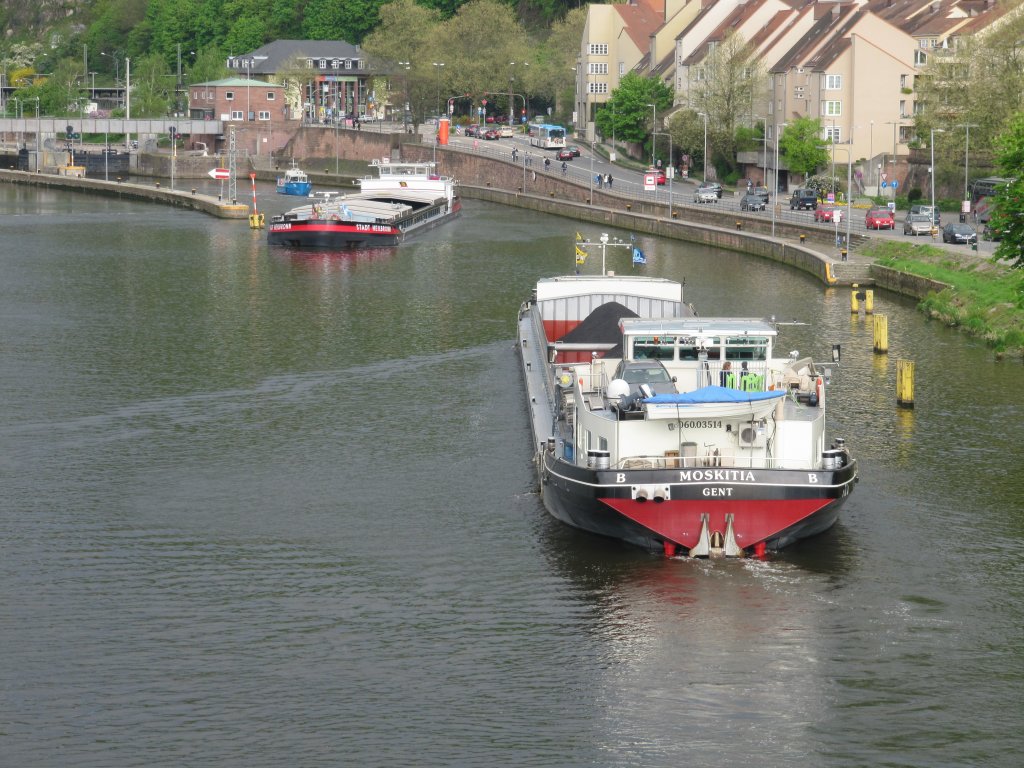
<point x="597" y="69"/>
<point x="698" y="74"/>
<point x="323" y="63"/>
<point x="598" y="49"/>
<point x="832" y="82"/>
<point x="229" y="95"/>
<point x="903" y="81"/>
<point x="597" y="87"/>
<point x="236" y="115"/>
<point x="920" y="58"/>
<point x="270" y="95"/>
<point x="903" y="108"/>
<point x="832" y="108"/>
<point x="622" y="68"/>
<point x="348" y="63"/>
<point x="833" y="133"/>
<point x="263" y="116"/>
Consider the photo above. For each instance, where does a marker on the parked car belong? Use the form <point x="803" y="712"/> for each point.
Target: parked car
<point x="917" y="224"/>
<point x="564" y="154"/>
<point x="927" y="209"/>
<point x="804" y="198"/>
<point x="491" y="135"/>
<point x="471" y="130"/>
<point x="705" y="195"/>
<point x="879" y="218"/>
<point x="714" y="186"/>
<point x="752" y="202"/>
<point x="828" y="213"/>
<point x="574" y="149"/>
<point x="507" y="132"/>
<point x="955" y="232"/>
<point x="761" y="192"/>
<point x="659" y="175"/>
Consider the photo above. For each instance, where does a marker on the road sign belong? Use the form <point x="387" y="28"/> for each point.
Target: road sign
<point x="219" y="173"/>
<point x="895" y="183"/>
<point x="885" y="176"/>
<point x="884" y="183"/>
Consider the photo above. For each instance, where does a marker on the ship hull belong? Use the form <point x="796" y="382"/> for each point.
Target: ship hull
<point x="340" y="234"/>
<point x="771" y="508"/>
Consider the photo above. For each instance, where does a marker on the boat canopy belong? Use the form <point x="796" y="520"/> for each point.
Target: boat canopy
<point x="714" y="394"/>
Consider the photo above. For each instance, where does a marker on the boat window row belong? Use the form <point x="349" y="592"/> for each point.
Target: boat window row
<point x="682" y="348"/>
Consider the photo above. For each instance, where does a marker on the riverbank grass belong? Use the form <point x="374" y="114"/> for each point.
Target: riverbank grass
<point x="985" y="298"/>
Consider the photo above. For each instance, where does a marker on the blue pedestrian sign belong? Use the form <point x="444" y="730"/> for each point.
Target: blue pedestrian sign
<point x="885" y="184"/>
<point x="895" y="183"/>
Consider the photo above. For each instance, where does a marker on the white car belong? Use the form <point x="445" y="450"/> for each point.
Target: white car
<point x="705" y="195"/>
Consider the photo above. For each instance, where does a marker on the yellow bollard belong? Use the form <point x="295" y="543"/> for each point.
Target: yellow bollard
<point x="854" y="304"/>
<point x="869" y="301"/>
<point x="905" y="383"/>
<point x="881" y="329"/>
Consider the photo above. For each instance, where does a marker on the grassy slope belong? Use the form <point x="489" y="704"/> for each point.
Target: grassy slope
<point x="986" y="298"/>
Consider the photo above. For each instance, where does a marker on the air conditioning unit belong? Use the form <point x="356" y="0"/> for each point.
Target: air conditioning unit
<point x="751" y="434"/>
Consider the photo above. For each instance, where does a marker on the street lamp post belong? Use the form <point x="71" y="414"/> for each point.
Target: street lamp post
<point x="654" y="128"/>
<point x="893" y="123"/>
<point x="775" y="181"/>
<point x="437" y="69"/>
<point x="931" y="171"/>
<point x="705" y="116"/>
<point x="849" y="189"/>
<point x="871" y="152"/>
<point x="967" y="150"/>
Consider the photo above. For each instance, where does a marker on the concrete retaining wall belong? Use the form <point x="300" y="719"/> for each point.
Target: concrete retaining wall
<point x="904" y="283"/>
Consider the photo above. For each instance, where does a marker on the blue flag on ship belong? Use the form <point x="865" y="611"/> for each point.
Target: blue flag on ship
<point x="638" y="256"/>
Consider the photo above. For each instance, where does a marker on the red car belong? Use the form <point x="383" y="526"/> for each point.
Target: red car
<point x="828" y="214"/>
<point x="879" y="218"/>
<point x="491" y="135"/>
<point x="564" y="154"/>
<point x="659" y="175"/>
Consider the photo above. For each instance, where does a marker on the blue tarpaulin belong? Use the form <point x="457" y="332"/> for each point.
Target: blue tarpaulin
<point x="714" y="394"/>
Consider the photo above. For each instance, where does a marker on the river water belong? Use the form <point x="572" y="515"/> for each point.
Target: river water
<point x="267" y="508"/>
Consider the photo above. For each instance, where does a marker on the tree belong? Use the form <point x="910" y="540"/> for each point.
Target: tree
<point x="350" y="21"/>
<point x="1008" y="210"/>
<point x="476" y="46"/>
<point x="686" y="127"/>
<point x="550" y="76"/>
<point x="404" y="34"/>
<point x="627" y="110"/>
<point x="980" y="82"/>
<point x="729" y="78"/>
<point x="152" y="86"/>
<point x="800" y="146"/>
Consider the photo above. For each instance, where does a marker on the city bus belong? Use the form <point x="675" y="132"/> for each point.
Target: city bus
<point x="982" y="193"/>
<point x="547" y="136"/>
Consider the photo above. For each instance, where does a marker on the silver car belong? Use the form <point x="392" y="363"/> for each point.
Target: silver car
<point x="705" y="195"/>
<point x="917" y="224"/>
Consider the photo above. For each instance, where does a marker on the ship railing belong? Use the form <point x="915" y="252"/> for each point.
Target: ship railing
<point x="671" y="460"/>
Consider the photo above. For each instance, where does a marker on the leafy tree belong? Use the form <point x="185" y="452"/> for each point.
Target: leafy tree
<point x="209" y="65"/>
<point x="686" y="127"/>
<point x="725" y="93"/>
<point x="800" y="146"/>
<point x="981" y="83"/>
<point x="246" y="34"/>
<point x="476" y="46"/>
<point x="404" y="34"/>
<point x="628" y="112"/>
<point x="351" y="20"/>
<point x="152" y="86"/>
<point x="550" y="74"/>
<point x="1008" y="213"/>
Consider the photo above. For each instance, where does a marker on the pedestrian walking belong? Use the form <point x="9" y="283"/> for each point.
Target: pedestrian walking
<point x="515" y="154"/>
<point x="547" y="163"/>
<point x="598" y="178"/>
<point x="608" y="180"/>
<point x="565" y="168"/>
